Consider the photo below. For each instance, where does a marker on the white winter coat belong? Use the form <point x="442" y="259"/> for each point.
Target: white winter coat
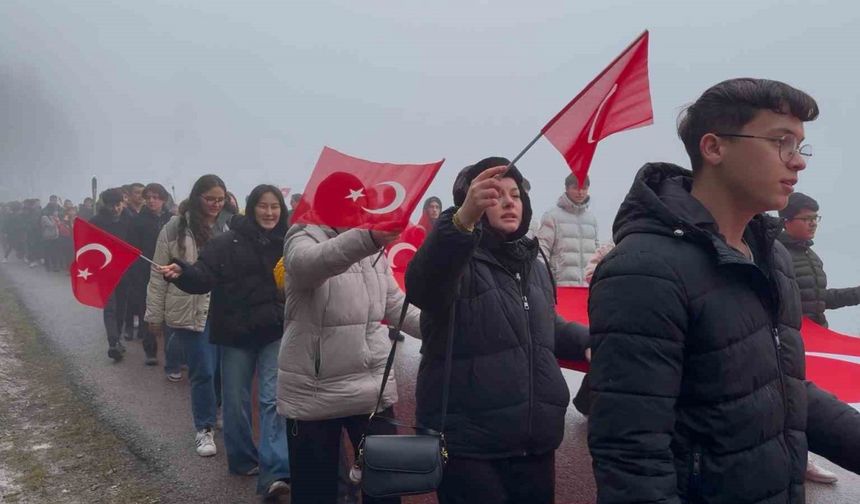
<point x="335" y="346"/>
<point x="568" y="236"/>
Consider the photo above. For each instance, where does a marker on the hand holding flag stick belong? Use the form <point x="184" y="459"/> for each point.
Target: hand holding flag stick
<point x="618" y="99"/>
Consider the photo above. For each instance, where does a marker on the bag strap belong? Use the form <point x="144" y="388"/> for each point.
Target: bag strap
<point x="394" y="335"/>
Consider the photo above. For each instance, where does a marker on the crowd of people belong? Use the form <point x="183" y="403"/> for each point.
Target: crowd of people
<point x="696" y="390"/>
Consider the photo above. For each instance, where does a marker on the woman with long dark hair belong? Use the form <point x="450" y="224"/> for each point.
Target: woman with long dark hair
<point x="247" y="319"/>
<point x="183" y="238"/>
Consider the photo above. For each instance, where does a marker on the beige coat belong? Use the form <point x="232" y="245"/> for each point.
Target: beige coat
<point x="165" y="302"/>
<point x="335" y="346"/>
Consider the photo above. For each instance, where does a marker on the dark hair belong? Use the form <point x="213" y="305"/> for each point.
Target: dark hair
<point x="254" y="198"/>
<point x="798" y="202"/>
<point x="109" y="198"/>
<point x="191" y="216"/>
<point x="135" y="185"/>
<point x="88" y="199"/>
<point x="731" y="104"/>
<point x="572" y="180"/>
<point x="229" y="204"/>
<point x="295" y="197"/>
<point x="158" y="189"/>
<point x="432" y="199"/>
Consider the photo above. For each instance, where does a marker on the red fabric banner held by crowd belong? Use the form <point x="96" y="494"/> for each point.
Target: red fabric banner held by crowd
<point x="101" y="259"/>
<point x="618" y="99"/>
<point x="832" y="359"/>
<point x="347" y="192"/>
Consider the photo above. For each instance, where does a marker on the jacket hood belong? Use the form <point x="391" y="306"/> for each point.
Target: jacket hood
<point x="659" y="202"/>
<point x="248" y="227"/>
<point x="467" y="175"/>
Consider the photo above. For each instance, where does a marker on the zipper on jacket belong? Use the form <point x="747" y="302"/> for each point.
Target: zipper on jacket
<point x="695" y="488"/>
<point x="778" y="346"/>
<point x="526" y="309"/>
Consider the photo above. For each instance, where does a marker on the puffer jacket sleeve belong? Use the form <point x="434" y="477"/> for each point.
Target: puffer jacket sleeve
<point x="202" y="276"/>
<point x="638" y="317"/>
<point x="833" y="428"/>
<point x="546" y="234"/>
<point x="309" y="263"/>
<point x="571" y="339"/>
<point x="394" y="305"/>
<point x="433" y="275"/>
<point x="156" y="290"/>
<point x="838" y="298"/>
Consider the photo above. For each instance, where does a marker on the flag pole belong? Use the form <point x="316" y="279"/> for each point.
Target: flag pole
<point x="149" y="261"/>
<point x="529" y="146"/>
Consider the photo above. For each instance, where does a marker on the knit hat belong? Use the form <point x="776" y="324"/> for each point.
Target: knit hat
<point x="796" y="203"/>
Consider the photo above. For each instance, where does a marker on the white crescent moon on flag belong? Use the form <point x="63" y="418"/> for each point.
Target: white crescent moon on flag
<point x="612" y="91"/>
<point x="398" y="248"/>
<point x="399" y="198"/>
<point x="98" y="247"/>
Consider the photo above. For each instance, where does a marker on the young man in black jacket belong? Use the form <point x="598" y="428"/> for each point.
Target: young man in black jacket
<point x="801" y="222"/>
<point x="111" y="219"/>
<point x="143" y="234"/>
<point x="699" y="390"/>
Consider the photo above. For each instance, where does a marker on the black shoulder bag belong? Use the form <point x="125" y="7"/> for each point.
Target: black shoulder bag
<point x="395" y="465"/>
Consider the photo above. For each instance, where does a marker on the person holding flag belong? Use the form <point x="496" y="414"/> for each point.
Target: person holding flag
<point x="507" y="395"/>
<point x="247" y="319"/>
<point x="699" y="391"/>
<point x="110" y="219"/>
<point x="339" y="288"/>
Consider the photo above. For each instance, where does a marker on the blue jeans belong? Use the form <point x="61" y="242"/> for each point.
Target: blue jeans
<point x="173" y="358"/>
<point x="201" y="358"/>
<point x="237" y="374"/>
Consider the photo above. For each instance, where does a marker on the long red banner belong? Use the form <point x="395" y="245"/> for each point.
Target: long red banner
<point x="832" y="358"/>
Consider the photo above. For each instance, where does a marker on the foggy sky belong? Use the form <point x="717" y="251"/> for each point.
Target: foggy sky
<point x="167" y="91"/>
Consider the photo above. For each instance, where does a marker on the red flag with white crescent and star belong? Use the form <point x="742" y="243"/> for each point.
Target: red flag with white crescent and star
<point x="618" y="99"/>
<point x="348" y="192"/>
<point x="401" y="251"/>
<point x="101" y="259"/>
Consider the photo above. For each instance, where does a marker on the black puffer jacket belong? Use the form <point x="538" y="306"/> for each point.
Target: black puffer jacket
<point x="507" y="394"/>
<point x="698" y="366"/>
<point x="815" y="297"/>
<point x="246" y="309"/>
<point x="143" y="234"/>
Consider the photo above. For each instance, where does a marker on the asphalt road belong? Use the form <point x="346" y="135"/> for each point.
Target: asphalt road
<point x="154" y="416"/>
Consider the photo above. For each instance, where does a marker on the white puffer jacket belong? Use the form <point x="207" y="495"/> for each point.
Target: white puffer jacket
<point x="335" y="346"/>
<point x="568" y="237"/>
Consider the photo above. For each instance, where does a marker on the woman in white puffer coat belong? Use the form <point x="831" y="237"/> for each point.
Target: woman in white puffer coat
<point x="568" y="234"/>
<point x="334" y="349"/>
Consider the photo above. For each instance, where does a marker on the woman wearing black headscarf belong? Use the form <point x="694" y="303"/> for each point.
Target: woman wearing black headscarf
<point x="507" y="395"/>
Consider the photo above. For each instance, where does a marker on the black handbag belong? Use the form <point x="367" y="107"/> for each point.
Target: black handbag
<point x="396" y="465"/>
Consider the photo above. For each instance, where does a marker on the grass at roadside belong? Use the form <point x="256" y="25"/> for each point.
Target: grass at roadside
<point x="53" y="445"/>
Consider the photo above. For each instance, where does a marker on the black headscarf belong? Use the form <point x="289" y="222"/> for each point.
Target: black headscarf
<point x="514" y="250"/>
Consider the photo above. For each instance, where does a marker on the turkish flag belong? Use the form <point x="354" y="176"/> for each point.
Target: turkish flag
<point x="618" y="99"/>
<point x="401" y="251"/>
<point x="100" y="261"/>
<point x="348" y="192"/>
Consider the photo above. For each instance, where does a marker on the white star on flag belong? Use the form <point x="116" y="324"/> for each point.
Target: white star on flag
<point x="84" y="273"/>
<point x="355" y="194"/>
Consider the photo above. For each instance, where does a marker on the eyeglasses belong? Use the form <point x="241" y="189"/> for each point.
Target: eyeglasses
<point x="808" y="220"/>
<point x="212" y="200"/>
<point x="788" y="144"/>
